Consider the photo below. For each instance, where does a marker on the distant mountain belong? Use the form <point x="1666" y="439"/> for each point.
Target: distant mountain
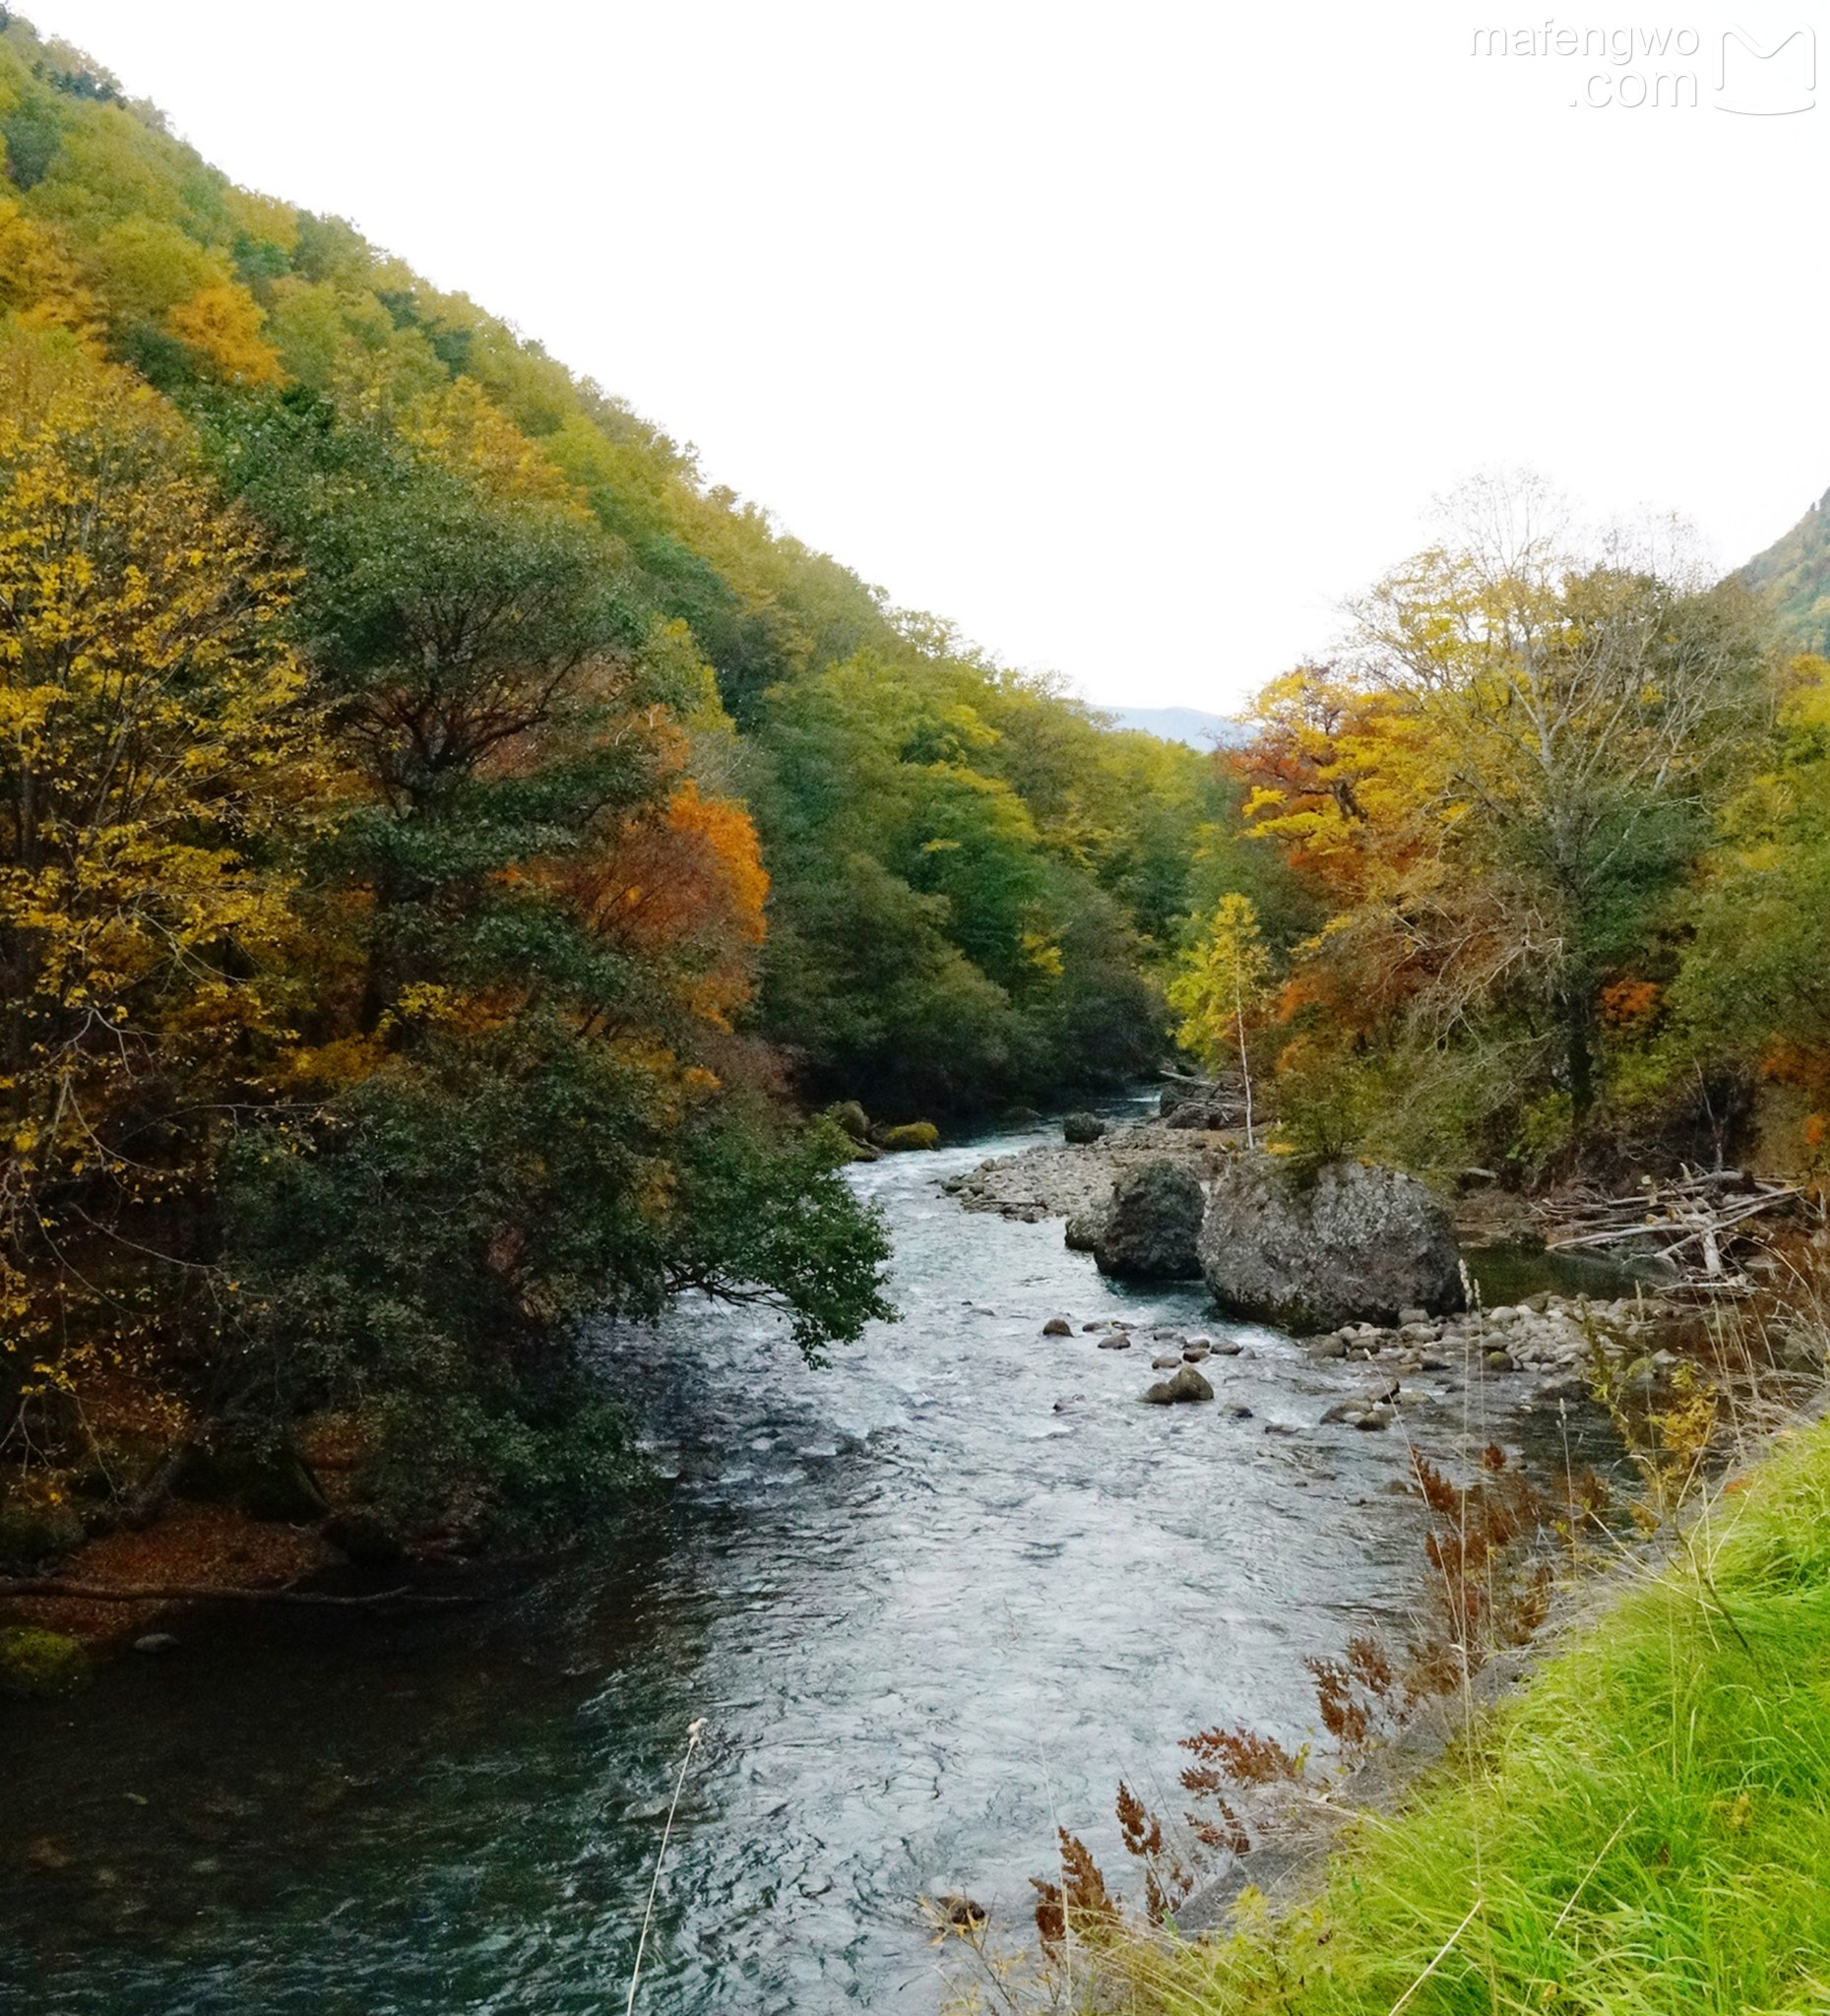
<point x="1795" y="572"/>
<point x="1181" y="725"/>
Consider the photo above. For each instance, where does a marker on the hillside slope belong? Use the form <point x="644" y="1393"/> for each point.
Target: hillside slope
<point x="1794" y="570"/>
<point x="973" y="881"/>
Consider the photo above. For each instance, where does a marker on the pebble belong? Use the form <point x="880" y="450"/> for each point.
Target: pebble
<point x="152" y="1642"/>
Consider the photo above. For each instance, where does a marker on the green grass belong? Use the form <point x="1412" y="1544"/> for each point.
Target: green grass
<point x="1645" y="1829"/>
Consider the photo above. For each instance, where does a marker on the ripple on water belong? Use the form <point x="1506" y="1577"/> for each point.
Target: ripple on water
<point x="924" y="1614"/>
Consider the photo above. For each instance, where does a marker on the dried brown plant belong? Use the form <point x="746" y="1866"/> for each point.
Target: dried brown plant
<point x="1079" y="1903"/>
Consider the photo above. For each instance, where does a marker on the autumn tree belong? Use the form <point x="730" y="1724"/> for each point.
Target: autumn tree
<point x="1220" y="991"/>
<point x="150" y="742"/>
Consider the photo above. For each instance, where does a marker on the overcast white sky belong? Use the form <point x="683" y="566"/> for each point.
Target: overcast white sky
<point x="1131" y="337"/>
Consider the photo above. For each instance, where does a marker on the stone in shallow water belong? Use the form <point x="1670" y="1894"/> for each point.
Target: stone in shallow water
<point x="1120" y="1342"/>
<point x="1152" y="1222"/>
<point x="1187" y="1384"/>
<point x="1057" y="1326"/>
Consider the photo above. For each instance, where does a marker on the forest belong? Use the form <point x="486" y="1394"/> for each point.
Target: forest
<point x="453" y="855"/>
<point x="448" y="849"/>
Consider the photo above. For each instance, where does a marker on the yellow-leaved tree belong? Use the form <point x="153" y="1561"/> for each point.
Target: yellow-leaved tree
<point x="1222" y="990"/>
<point x="150" y="739"/>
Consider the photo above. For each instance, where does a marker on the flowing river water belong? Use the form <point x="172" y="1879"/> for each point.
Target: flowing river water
<point x="929" y="1602"/>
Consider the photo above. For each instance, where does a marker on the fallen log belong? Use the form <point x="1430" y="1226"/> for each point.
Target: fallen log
<point x="203" y="1591"/>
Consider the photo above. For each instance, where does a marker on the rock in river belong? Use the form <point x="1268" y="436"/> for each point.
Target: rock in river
<point x="1187" y="1384"/>
<point x="1152" y="1225"/>
<point x="1355" y="1245"/>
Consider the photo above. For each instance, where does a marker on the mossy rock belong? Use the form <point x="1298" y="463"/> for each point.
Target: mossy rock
<point x="851" y="1119"/>
<point x="916" y="1134"/>
<point x="32" y="1531"/>
<point x="34" y="1661"/>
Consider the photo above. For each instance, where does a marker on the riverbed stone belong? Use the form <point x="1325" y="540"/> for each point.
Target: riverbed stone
<point x="1354" y="1243"/>
<point x="1057" y="1326"/>
<point x="1151" y="1226"/>
<point x="1082" y="1129"/>
<point x="1118" y="1341"/>
<point x="1187" y="1384"/>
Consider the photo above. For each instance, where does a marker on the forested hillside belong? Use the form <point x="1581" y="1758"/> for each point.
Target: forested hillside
<point x="446" y="840"/>
<point x="966" y="873"/>
<point x="1794" y="574"/>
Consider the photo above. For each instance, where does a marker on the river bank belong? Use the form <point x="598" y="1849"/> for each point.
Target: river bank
<point x="1622" y="1813"/>
<point x="1642" y="1826"/>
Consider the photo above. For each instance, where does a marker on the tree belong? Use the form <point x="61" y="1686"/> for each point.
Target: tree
<point x="151" y="741"/>
<point x="1587" y="717"/>
<point x="1220" y="991"/>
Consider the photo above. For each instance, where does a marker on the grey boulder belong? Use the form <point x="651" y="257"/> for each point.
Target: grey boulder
<point x="1152" y="1223"/>
<point x="1352" y="1244"/>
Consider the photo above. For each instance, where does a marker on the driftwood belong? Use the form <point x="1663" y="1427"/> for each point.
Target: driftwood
<point x="1704" y="1211"/>
<point x="202" y="1592"/>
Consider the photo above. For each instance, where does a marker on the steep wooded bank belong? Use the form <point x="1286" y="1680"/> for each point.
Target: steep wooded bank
<point x="445" y="843"/>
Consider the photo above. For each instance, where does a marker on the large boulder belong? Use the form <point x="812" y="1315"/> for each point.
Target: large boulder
<point x="1350" y="1244"/>
<point x="1149" y="1229"/>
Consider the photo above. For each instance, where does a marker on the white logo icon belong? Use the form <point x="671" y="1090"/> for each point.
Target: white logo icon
<point x="1767" y="83"/>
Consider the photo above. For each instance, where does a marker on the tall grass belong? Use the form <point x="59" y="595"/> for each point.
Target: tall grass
<point x="1645" y="1829"/>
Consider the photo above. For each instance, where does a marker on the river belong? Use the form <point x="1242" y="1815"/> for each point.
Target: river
<point x="929" y="1602"/>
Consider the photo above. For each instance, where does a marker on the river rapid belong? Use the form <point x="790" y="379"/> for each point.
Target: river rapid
<point x="929" y="1602"/>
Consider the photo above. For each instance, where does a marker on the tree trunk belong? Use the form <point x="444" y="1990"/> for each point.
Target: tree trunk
<point x="1579" y="1039"/>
